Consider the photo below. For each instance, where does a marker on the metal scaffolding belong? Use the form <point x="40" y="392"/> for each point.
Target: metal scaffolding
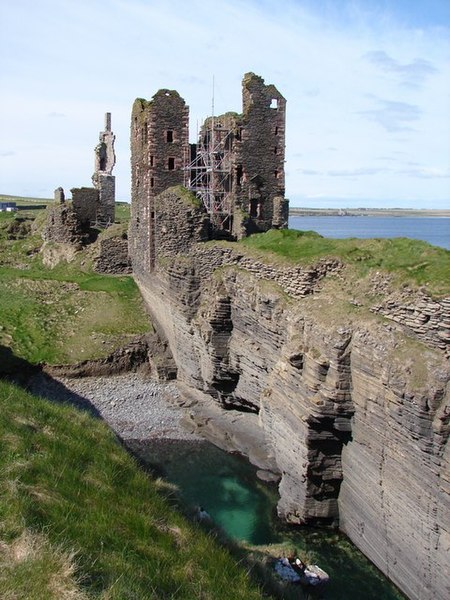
<point x="209" y="173"/>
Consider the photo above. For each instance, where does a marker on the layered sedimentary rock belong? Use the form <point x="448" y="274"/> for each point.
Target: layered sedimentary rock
<point x="395" y="496"/>
<point x="348" y="408"/>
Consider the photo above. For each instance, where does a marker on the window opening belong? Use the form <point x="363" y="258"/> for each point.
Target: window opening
<point x="169" y="136"/>
<point x="171" y="163"/>
<point x="239" y="173"/>
<point x="152" y="161"/>
<point x="152" y="182"/>
<point x="274" y="103"/>
<point x="254" y="207"/>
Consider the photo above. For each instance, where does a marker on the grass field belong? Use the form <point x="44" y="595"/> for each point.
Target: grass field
<point x="63" y="314"/>
<point x="22" y="200"/>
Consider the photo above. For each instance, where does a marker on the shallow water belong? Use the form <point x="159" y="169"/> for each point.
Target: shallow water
<point x="245" y="508"/>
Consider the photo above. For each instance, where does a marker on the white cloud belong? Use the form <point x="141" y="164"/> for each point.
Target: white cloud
<point x="355" y="79"/>
<point x="410" y="74"/>
<point x="393" y="116"/>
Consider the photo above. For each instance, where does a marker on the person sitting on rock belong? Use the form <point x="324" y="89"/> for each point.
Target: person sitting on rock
<point x="202" y="514"/>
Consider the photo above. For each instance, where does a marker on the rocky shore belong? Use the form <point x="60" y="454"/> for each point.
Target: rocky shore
<point x="134" y="406"/>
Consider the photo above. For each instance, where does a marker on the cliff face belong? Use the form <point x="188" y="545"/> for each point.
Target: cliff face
<point x="350" y="410"/>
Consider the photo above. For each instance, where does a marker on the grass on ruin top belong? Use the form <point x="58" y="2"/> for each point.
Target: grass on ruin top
<point x="410" y="260"/>
<point x="79" y="519"/>
<point x="64" y="314"/>
<point x="187" y="196"/>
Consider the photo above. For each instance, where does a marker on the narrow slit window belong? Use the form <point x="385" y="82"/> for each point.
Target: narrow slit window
<point x="239" y="173"/>
<point x="169" y="136"/>
<point x="253" y="207"/>
<point x="171" y="163"/>
<point x="275" y="150"/>
<point x="152" y="182"/>
<point x="276" y="130"/>
<point x="276" y="174"/>
<point x="152" y="161"/>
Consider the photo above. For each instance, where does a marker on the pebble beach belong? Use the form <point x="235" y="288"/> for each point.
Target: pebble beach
<point x="135" y="407"/>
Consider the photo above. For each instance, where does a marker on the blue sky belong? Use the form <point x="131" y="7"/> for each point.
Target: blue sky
<point x="367" y="85"/>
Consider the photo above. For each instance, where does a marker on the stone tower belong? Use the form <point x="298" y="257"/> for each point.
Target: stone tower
<point x="159" y="151"/>
<point x="260" y="155"/>
<point x="103" y="180"/>
<point x="243" y="159"/>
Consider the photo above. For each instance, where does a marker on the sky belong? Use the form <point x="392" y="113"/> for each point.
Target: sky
<point x="367" y="84"/>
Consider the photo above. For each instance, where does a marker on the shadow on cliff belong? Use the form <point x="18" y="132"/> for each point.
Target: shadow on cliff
<point x="32" y="379"/>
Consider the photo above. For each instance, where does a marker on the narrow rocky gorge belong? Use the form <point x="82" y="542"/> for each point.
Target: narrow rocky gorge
<point x="348" y="410"/>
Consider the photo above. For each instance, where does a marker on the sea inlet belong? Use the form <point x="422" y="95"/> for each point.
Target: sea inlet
<point x="244" y="507"/>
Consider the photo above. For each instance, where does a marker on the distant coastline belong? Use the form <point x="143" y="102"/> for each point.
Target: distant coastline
<point x="366" y="212"/>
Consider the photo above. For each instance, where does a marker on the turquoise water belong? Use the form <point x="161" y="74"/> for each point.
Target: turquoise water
<point x="245" y="508"/>
<point x="434" y="230"/>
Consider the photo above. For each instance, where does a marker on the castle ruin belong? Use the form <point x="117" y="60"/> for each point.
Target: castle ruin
<point x="96" y="205"/>
<point x="236" y="169"/>
<point x="69" y="222"/>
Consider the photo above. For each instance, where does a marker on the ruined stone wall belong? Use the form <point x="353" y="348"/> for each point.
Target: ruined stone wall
<point x="261" y="150"/>
<point x="63" y="226"/>
<point x="103" y="180"/>
<point x="85" y="204"/>
<point x="180" y="221"/>
<point x="238" y="170"/>
<point x="251" y="148"/>
<point x="106" y="207"/>
<point x="425" y="318"/>
<point x="113" y="256"/>
<point x="105" y="157"/>
<point x="159" y="150"/>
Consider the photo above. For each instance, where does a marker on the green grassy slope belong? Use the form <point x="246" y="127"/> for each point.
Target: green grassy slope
<point x="79" y="519"/>
<point x="408" y="260"/>
<point x="63" y="314"/>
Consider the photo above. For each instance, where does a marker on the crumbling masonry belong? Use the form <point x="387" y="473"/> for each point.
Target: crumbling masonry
<point x="236" y="170"/>
<point x="96" y="206"/>
<point x="103" y="180"/>
<point x="70" y="222"/>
